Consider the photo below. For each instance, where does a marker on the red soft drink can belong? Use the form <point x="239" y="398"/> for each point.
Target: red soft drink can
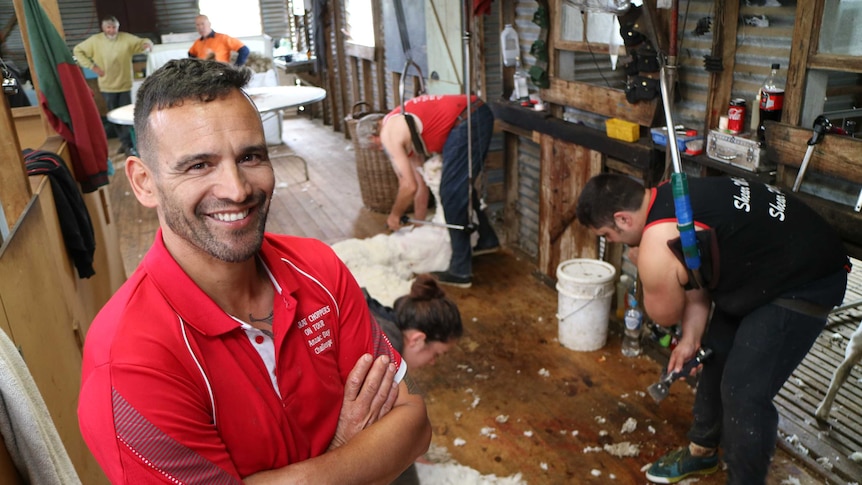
<point x="736" y="115"/>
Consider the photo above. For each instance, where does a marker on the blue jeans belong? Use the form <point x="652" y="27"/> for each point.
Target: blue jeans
<point x="454" y="188"/>
<point x="754" y="356"/>
<point x="115" y="100"/>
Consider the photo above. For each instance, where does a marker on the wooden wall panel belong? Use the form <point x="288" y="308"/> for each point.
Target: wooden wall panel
<point x="566" y="167"/>
<point x="41" y="306"/>
<point x="14" y="192"/>
<point x="30" y="128"/>
<point x="598" y="99"/>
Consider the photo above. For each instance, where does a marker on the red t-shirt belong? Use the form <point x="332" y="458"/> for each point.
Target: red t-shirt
<point x="174" y="392"/>
<point x="437" y="115"/>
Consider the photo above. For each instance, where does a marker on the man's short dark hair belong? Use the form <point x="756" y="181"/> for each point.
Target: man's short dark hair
<point x="606" y="194"/>
<point x="180" y="80"/>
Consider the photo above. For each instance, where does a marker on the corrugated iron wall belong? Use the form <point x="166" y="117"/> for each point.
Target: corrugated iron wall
<point x="527" y="206"/>
<point x="13" y="47"/>
<point x="764" y="37"/>
<point x="80" y="20"/>
<point x="529" y="156"/>
<point x="274" y="15"/>
<point x="492" y="189"/>
<point x="176" y="16"/>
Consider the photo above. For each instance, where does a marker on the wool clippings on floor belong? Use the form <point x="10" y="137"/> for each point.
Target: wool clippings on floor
<point x="448" y="472"/>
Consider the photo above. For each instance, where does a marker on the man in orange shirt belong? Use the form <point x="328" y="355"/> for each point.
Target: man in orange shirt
<point x="214" y="46"/>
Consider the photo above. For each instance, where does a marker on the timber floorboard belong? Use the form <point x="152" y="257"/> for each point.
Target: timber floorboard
<point x="561" y="407"/>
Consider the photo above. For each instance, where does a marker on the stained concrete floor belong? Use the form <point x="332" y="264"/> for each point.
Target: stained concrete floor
<point x="510" y="399"/>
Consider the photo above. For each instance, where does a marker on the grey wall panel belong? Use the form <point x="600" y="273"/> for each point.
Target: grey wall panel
<point x="527" y="206"/>
<point x="13" y="47"/>
<point x="176" y="16"/>
<point x="493" y="88"/>
<point x="274" y="15"/>
<point x="80" y="20"/>
<point x="764" y="36"/>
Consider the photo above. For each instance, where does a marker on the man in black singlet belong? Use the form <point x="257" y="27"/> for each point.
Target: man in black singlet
<point x="772" y="270"/>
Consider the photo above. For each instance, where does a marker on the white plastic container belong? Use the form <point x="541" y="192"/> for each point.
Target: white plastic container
<point x="510" y="46"/>
<point x="585" y="289"/>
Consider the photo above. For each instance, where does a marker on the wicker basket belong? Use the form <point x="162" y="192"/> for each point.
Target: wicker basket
<point x="378" y="183"/>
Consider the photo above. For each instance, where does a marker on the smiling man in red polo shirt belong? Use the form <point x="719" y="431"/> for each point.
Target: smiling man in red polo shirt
<point x="232" y="355"/>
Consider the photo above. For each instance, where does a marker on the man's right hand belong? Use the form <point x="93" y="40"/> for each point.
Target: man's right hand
<point x="98" y="70"/>
<point x="682" y="353"/>
<point x="394" y="222"/>
<point x="369" y="394"/>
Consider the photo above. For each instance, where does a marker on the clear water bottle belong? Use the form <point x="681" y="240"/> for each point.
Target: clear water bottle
<point x="521" y="92"/>
<point x="632" y="337"/>
<point x="510" y="46"/>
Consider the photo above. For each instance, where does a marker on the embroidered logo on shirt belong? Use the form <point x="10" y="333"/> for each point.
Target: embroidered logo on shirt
<point x="317" y="335"/>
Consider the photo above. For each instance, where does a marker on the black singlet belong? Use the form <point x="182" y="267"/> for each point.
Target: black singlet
<point x="770" y="243"/>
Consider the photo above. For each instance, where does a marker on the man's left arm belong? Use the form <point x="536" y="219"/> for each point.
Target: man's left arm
<point x="241" y="55"/>
<point x="695" y="317"/>
<point x="144" y="45"/>
<point x="376" y="455"/>
<point x="373" y="446"/>
<point x="241" y="50"/>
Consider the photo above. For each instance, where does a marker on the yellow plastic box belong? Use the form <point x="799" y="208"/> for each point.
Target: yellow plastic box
<point x="622" y="129"/>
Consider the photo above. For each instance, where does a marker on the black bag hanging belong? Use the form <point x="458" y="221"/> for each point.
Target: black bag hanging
<point x="75" y="222"/>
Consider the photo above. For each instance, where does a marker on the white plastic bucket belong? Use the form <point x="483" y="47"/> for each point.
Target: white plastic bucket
<point x="585" y="288"/>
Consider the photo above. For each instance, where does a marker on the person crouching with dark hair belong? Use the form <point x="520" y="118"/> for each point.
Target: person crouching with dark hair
<point x="422" y="325"/>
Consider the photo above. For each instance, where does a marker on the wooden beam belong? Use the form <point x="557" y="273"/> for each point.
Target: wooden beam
<point x="396" y="93"/>
<point x="800" y="51"/>
<point x="355" y="88"/>
<point x="367" y="82"/>
<point x="507" y="16"/>
<point x="834" y="62"/>
<point x="330" y="70"/>
<point x="640" y="153"/>
<point x="836" y="156"/>
<point x="480" y="67"/>
<point x="379" y="57"/>
<point x="599" y="99"/>
<point x="565" y="169"/>
<point x="15" y="193"/>
<point x="511" y="188"/>
<point x="340" y="105"/>
<point x="52" y="10"/>
<point x="724" y="45"/>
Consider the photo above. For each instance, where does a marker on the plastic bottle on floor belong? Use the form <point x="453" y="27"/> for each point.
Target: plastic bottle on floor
<point x="632" y="335"/>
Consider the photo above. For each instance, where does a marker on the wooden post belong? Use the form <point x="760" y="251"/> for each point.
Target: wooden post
<point x="339" y="107"/>
<point x="805" y="34"/>
<point x="14" y="188"/>
<point x="379" y="55"/>
<point x="723" y="44"/>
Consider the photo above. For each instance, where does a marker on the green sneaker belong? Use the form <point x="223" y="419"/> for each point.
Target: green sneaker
<point x="678" y="464"/>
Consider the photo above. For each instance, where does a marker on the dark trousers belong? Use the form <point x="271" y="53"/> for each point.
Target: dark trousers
<point x="115" y="100"/>
<point x="454" y="188"/>
<point x="754" y="356"/>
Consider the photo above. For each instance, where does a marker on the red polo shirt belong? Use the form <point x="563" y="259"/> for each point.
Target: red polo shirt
<point x="173" y="391"/>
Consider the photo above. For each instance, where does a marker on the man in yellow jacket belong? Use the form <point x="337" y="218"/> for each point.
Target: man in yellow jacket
<point x="109" y="54"/>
